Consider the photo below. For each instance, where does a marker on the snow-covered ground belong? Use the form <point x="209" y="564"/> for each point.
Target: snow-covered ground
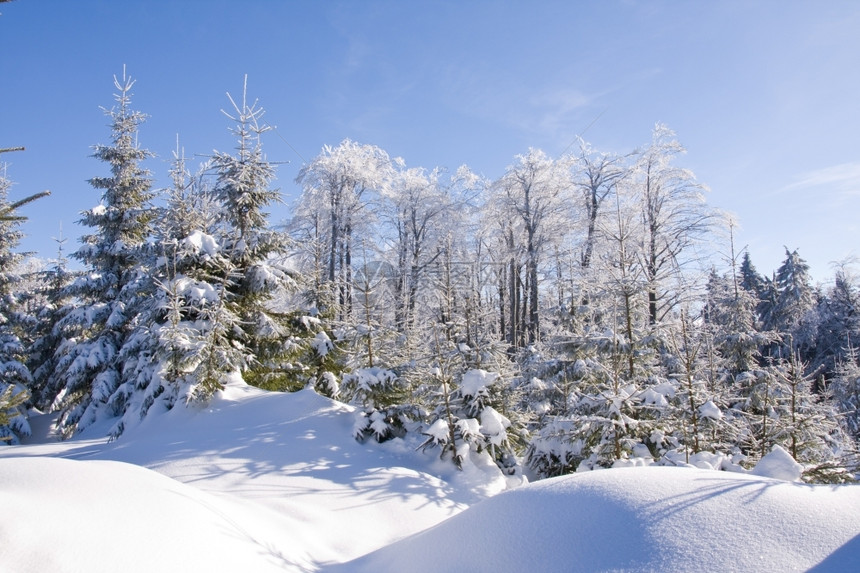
<point x="274" y="482"/>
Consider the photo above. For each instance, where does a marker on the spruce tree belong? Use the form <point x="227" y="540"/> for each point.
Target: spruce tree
<point x="170" y="335"/>
<point x="838" y="328"/>
<point x="14" y="374"/>
<point x="792" y="298"/>
<point x="111" y="289"/>
<point x="246" y="330"/>
<point x="49" y="338"/>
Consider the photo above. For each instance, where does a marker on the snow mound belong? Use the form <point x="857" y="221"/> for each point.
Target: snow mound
<point x="259" y="481"/>
<point x="290" y="458"/>
<point x="640" y="519"/>
<point x="778" y="464"/>
<point x="65" y="515"/>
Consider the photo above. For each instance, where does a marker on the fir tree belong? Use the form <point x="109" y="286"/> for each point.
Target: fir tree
<point x="112" y="287"/>
<point x="838" y="328"/>
<point x="49" y="338"/>
<point x="790" y="301"/>
<point x="467" y="406"/>
<point x="171" y="333"/>
<point x="751" y="281"/>
<point x="246" y="330"/>
<point x="14" y="374"/>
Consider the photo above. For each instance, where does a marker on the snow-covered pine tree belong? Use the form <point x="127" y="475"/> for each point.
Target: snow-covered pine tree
<point x="109" y="292"/>
<point x="776" y="404"/>
<point x="838" y="329"/>
<point x="385" y="402"/>
<point x="466" y="405"/>
<point x="49" y="337"/>
<point x="694" y="417"/>
<point x="788" y="303"/>
<point x="730" y="315"/>
<point x="245" y="316"/>
<point x="750" y="279"/>
<point x="845" y="393"/>
<point x="171" y="337"/>
<point x="14" y="374"/>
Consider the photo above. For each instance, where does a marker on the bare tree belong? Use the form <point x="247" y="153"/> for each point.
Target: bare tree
<point x="335" y="184"/>
<point x="596" y="177"/>
<point x="529" y="198"/>
<point x="674" y="218"/>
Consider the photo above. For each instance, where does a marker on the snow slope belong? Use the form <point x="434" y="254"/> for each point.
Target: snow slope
<point x="262" y="481"/>
<point x="641" y="519"/>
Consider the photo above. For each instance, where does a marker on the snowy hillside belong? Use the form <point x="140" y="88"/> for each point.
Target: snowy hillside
<point x="274" y="482"/>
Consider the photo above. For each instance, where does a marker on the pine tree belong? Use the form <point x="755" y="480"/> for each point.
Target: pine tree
<point x="838" y="328"/>
<point x="467" y="405"/>
<point x="246" y="330"/>
<point x="776" y="405"/>
<point x="170" y="336"/>
<point x="751" y="281"/>
<point x="792" y="299"/>
<point x="845" y="393"/>
<point x="15" y="377"/>
<point x="49" y="339"/>
<point x="386" y="408"/>
<point x="113" y="286"/>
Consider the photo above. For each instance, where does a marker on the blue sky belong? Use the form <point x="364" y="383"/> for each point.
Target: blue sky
<point x="764" y="95"/>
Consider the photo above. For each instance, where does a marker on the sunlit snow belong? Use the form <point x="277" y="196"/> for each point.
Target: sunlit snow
<point x="258" y="481"/>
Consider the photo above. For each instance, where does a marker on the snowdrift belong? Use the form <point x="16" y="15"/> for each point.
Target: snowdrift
<point x="262" y="481"/>
<point x="641" y="519"/>
<point x="63" y="515"/>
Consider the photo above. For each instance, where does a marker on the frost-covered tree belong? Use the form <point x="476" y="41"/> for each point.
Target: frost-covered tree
<point x="109" y="292"/>
<point x="596" y="176"/>
<point x="15" y="377"/>
<point x="336" y="185"/>
<point x="50" y="305"/>
<point x="246" y="331"/>
<point x="674" y="219"/>
<point x="418" y="210"/>
<point x="531" y="202"/>
<point x="791" y="297"/>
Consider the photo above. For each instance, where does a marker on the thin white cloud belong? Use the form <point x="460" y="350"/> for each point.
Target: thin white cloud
<point x="550" y="111"/>
<point x="555" y="110"/>
<point x="843" y="178"/>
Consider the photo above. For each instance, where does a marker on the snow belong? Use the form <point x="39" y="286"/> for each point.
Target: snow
<point x="199" y="242"/>
<point x="438" y="430"/>
<point x="258" y="481"/>
<point x="322" y="344"/>
<point x="640" y="519"/>
<point x="778" y="464"/>
<point x="710" y="410"/>
<point x="476" y="380"/>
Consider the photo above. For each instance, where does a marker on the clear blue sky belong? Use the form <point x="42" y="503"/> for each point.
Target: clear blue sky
<point x="764" y="94"/>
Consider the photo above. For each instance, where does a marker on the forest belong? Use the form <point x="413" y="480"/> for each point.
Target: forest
<point x="578" y="312"/>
